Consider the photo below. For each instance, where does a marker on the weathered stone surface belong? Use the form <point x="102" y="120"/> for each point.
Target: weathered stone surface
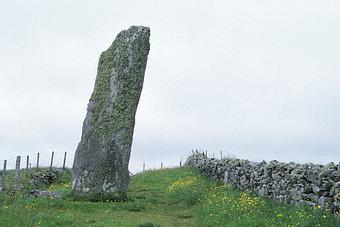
<point x="100" y="169"/>
<point x="307" y="184"/>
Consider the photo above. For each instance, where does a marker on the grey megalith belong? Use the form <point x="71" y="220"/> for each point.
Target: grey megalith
<point x="100" y="168"/>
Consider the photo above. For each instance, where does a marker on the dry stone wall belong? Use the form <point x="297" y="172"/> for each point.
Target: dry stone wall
<point x="304" y="184"/>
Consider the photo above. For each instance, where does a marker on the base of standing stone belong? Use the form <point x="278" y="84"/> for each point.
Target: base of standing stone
<point x="96" y="197"/>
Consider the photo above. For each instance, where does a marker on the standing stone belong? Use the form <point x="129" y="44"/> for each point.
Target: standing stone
<point x="100" y="168"/>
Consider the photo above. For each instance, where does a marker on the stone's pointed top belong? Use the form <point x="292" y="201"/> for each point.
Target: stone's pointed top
<point x="134" y="31"/>
<point x="139" y="28"/>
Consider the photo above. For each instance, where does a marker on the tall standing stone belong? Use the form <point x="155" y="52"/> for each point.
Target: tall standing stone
<point x="100" y="168"/>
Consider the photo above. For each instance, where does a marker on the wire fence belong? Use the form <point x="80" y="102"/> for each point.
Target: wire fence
<point x="54" y="159"/>
<point x="141" y="167"/>
<point x="34" y="161"/>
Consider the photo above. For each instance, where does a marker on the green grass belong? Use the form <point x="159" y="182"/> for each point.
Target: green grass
<point x="167" y="197"/>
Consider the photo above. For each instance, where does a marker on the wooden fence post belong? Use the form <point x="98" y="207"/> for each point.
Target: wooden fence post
<point x="38" y="157"/>
<point x="52" y="159"/>
<point x="143" y="167"/>
<point x="64" y="160"/>
<point x="27" y="162"/>
<point x="17" y="167"/>
<point x="5" y="166"/>
<point x="221" y="155"/>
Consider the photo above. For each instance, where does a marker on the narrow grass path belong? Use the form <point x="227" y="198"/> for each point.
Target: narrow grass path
<point x="167" y="197"/>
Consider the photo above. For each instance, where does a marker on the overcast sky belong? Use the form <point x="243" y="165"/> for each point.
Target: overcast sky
<point x="255" y="79"/>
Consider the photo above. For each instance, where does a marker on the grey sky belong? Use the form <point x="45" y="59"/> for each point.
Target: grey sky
<point x="256" y="79"/>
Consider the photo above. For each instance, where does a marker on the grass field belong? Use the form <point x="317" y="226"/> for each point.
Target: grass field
<point x="167" y="197"/>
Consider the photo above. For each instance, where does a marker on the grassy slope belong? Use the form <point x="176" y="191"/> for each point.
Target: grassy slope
<point x="168" y="197"/>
